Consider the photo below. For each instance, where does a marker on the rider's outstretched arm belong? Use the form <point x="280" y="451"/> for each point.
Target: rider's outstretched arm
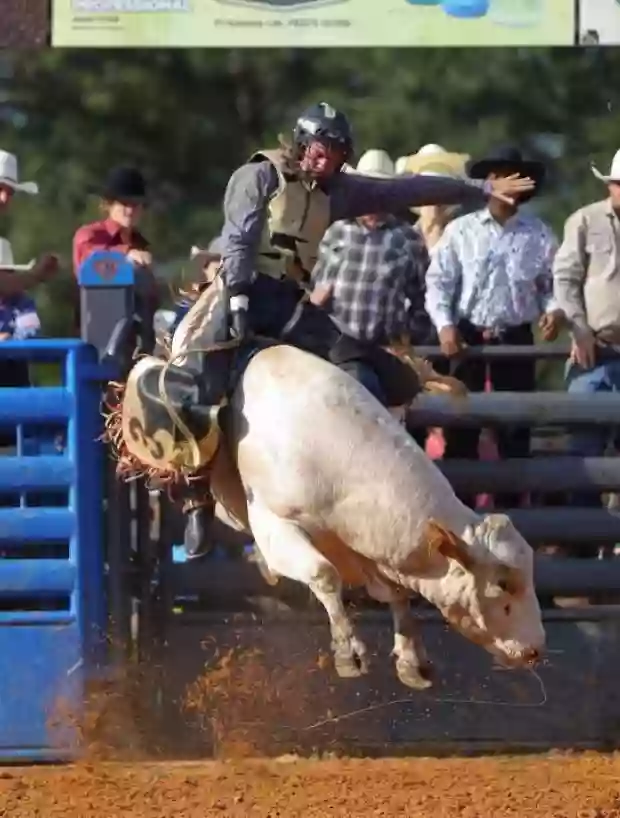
<point x="353" y="194"/>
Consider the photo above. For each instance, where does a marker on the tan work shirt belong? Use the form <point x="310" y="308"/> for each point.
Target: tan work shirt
<point x="586" y="271"/>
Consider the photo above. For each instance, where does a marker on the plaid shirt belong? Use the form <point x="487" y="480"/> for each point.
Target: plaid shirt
<point x="377" y="276"/>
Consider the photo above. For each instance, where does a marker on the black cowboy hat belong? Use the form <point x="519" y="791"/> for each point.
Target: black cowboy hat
<point x="507" y="158"/>
<point x="124" y="184"/>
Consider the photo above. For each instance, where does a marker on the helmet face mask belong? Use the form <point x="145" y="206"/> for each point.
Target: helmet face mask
<point x="326" y="132"/>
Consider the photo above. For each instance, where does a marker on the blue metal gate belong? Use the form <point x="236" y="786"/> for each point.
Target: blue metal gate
<point x="52" y="607"/>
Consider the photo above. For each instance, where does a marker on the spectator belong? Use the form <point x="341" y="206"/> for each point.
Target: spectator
<point x="370" y="274"/>
<point x="18" y="314"/>
<point x="378" y="163"/>
<point x="47" y="265"/>
<point x="586" y="272"/>
<point x="489" y="280"/>
<point x="123" y="199"/>
<point x="18" y="320"/>
<point x="433" y="160"/>
<point x="400" y="166"/>
<point x="431" y="220"/>
<point x="210" y="260"/>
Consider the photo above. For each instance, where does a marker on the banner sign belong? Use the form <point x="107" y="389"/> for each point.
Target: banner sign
<point x="311" y="23"/>
<point x="599" y="22"/>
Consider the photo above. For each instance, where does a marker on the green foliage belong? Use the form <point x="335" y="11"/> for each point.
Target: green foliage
<point x="188" y="118"/>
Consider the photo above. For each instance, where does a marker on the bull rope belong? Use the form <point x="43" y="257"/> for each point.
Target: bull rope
<point x="436" y="700"/>
<point x="129" y="467"/>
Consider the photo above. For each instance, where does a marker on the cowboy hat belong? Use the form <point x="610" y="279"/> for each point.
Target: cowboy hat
<point x="614" y="171"/>
<point x="400" y="166"/>
<point x="431" y="147"/>
<point x="9" y="175"/>
<point x="7" y="262"/>
<point x="212" y="253"/>
<point x="507" y="158"/>
<point x="376" y="162"/>
<point x="433" y="160"/>
<point x="124" y="184"/>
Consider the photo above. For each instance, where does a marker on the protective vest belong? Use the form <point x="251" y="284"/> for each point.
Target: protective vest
<point x="298" y="216"/>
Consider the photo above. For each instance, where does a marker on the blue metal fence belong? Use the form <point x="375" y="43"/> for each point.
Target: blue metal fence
<point x="52" y="605"/>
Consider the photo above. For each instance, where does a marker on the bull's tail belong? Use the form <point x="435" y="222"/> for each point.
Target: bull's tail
<point x="430" y="380"/>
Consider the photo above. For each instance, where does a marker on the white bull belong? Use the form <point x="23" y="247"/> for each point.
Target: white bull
<point x="335" y="491"/>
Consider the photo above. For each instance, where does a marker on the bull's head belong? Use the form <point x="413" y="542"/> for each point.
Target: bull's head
<point x="487" y="592"/>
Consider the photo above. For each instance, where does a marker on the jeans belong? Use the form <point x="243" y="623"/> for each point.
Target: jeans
<point x="365" y="375"/>
<point x="591" y="441"/>
<point x="506" y="375"/>
<point x="180" y="311"/>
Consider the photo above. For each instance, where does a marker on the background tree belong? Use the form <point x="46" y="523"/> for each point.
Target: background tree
<point x="189" y="117"/>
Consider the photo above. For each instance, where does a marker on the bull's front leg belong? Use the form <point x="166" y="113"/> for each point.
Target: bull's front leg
<point x="412" y="665"/>
<point x="289" y="552"/>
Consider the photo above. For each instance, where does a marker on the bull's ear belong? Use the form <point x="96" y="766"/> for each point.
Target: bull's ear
<point x="447" y="544"/>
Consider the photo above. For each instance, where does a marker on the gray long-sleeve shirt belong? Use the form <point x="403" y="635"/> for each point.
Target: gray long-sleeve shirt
<point x="351" y="195"/>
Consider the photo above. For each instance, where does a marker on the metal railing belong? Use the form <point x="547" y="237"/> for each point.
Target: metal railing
<point x="52" y="597"/>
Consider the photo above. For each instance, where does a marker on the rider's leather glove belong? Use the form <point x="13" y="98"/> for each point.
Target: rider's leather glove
<point x="240" y="322"/>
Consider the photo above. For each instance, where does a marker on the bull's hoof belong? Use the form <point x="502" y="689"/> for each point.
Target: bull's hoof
<point x="413" y="676"/>
<point x="352" y="665"/>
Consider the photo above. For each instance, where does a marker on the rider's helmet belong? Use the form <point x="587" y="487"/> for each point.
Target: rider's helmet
<point x="325" y="128"/>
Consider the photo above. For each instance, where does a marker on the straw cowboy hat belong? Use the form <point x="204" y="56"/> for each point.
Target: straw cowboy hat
<point x="9" y="175"/>
<point x="212" y="253"/>
<point x="508" y="158"/>
<point x="377" y="163"/>
<point x="614" y="171"/>
<point x="433" y="160"/>
<point x="7" y="262"/>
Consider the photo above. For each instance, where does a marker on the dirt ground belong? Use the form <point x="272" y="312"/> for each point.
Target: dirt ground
<point x="553" y="786"/>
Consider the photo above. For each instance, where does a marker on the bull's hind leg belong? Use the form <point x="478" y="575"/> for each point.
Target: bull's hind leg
<point x="288" y="551"/>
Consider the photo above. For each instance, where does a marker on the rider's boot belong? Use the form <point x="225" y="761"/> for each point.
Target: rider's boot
<point x="176" y="428"/>
<point x="199" y="511"/>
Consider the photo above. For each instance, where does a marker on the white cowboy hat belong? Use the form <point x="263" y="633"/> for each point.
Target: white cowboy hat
<point x="376" y="162"/>
<point x="433" y="160"/>
<point x="430" y="148"/>
<point x="7" y="261"/>
<point x="400" y="166"/>
<point x="614" y="172"/>
<point x="9" y="175"/>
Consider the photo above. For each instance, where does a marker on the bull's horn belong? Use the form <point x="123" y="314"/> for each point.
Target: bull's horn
<point x="448" y="544"/>
<point x="497" y="522"/>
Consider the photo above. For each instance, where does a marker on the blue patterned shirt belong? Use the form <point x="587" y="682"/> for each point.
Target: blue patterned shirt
<point x="19" y="318"/>
<point x="493" y="275"/>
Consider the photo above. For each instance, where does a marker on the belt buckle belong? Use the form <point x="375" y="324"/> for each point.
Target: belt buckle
<point x="491" y="334"/>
